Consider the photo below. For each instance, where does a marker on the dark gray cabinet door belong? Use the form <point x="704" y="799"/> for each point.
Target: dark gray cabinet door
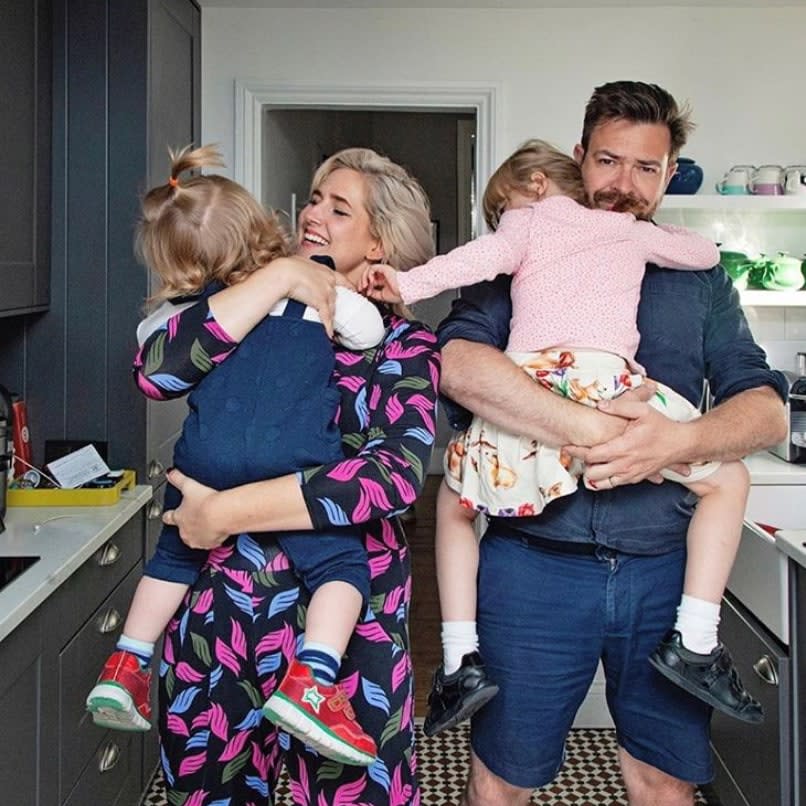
<point x="20" y="712"/>
<point x="25" y="139"/>
<point x="753" y="762"/>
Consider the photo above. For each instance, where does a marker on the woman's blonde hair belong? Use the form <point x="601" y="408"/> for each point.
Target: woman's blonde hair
<point x="398" y="209"/>
<point x="516" y="172"/>
<point x="204" y="228"/>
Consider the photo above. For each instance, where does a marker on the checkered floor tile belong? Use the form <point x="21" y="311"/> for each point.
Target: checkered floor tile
<point x="590" y="775"/>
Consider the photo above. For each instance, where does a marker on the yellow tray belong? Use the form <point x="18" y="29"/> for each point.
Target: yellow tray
<point x="80" y="497"/>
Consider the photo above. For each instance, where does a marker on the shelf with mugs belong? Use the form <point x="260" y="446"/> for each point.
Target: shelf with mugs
<point x="734" y="203"/>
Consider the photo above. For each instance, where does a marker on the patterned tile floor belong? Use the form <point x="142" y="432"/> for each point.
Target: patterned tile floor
<point x="589" y="777"/>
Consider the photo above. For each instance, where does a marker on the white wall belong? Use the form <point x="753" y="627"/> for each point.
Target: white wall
<point x="741" y="68"/>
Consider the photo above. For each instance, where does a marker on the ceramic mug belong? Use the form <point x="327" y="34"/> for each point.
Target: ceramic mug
<point x="768" y="180"/>
<point x="736" y="181"/>
<point x="795" y="180"/>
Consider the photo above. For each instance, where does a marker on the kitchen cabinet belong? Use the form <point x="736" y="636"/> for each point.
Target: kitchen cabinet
<point x="25" y="134"/>
<point x="759" y="223"/>
<point x="126" y="88"/>
<point x="21" y="710"/>
<point x="60" y="619"/>
<point x="754" y="762"/>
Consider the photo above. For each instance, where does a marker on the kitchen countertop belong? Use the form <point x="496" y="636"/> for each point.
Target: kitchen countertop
<point x="63" y="538"/>
<point x="792" y="542"/>
<point x="768" y="469"/>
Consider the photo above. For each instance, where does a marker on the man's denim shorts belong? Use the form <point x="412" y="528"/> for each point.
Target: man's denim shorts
<point x="545" y="619"/>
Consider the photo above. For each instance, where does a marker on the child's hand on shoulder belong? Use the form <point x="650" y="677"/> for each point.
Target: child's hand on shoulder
<point x="380" y="282"/>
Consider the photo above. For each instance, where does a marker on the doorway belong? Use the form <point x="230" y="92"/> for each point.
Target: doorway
<point x="296" y="141"/>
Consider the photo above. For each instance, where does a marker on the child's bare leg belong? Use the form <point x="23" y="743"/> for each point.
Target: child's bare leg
<point x="457" y="560"/>
<point x="332" y="614"/>
<point x="461" y="686"/>
<point x="691" y="655"/>
<point x="712" y="542"/>
<point x="153" y="604"/>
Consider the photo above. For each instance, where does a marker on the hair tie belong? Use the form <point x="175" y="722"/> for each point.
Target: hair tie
<point x="173" y="182"/>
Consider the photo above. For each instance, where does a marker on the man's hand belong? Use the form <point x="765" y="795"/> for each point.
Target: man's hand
<point x="192" y="516"/>
<point x="649" y="443"/>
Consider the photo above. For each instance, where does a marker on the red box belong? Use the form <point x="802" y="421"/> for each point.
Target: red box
<point x="21" y="438"/>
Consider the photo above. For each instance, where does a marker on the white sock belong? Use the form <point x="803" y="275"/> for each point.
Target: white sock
<point x="697" y="622"/>
<point x="458" y="639"/>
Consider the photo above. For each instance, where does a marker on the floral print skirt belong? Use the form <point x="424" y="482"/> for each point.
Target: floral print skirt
<point x="506" y="475"/>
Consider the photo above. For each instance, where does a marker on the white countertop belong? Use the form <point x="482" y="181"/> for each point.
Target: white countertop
<point x="63" y="538"/>
<point x="768" y="469"/>
<point x="792" y="542"/>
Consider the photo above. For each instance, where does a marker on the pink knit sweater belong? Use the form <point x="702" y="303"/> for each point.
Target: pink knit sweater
<point x="576" y="272"/>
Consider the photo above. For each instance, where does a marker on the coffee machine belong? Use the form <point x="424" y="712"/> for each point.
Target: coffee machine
<point x="793" y="447"/>
<point x="6" y="432"/>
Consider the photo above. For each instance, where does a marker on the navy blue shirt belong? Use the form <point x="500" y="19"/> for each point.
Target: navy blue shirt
<point x="692" y="328"/>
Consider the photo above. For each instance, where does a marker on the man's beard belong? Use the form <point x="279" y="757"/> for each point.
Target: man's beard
<point x="620" y="202"/>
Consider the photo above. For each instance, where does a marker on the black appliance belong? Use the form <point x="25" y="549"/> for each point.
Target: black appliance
<point x="6" y="441"/>
<point x="793" y="447"/>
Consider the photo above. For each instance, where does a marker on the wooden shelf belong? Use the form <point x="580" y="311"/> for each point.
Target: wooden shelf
<point x="747" y="204"/>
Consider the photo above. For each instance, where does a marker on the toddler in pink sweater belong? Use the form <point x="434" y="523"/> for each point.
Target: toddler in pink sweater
<point x="576" y="281"/>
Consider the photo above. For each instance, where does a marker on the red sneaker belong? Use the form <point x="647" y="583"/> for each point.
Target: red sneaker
<point x="319" y="715"/>
<point x="121" y="697"/>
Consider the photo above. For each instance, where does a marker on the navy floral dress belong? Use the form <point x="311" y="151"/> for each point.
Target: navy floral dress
<point x="230" y="643"/>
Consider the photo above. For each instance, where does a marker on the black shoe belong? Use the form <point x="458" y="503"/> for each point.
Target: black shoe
<point x="712" y="678"/>
<point x="457" y="696"/>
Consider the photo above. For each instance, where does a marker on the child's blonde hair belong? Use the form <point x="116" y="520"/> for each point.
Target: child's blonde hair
<point x="515" y="174"/>
<point x="204" y="228"/>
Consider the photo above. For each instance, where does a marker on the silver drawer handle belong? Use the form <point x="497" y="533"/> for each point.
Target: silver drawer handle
<point x="765" y="669"/>
<point x="155" y="468"/>
<point x="109" y="621"/>
<point x="109" y="758"/>
<point x="154" y="511"/>
<point x="108" y="555"/>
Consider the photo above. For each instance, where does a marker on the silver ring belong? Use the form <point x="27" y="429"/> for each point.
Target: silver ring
<point x="612" y="483"/>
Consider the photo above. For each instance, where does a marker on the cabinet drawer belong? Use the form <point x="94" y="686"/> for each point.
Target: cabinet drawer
<point x="79" y="665"/>
<point x="96" y="579"/>
<point x="113" y="775"/>
<point x="753" y="761"/>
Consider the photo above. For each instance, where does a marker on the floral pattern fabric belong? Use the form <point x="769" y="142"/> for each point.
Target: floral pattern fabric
<point x="506" y="475"/>
<point x="230" y="643"/>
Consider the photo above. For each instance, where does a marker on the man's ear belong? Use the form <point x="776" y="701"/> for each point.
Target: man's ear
<point x="579" y="153"/>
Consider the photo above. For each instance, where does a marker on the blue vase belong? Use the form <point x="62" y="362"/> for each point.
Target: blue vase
<point x="687" y="179"/>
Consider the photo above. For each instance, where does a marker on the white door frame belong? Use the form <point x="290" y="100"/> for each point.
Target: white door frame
<point x="253" y="95"/>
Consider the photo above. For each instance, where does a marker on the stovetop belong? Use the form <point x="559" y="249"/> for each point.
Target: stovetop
<point x="12" y="567"/>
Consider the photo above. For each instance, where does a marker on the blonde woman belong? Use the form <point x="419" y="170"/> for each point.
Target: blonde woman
<point x="248" y="605"/>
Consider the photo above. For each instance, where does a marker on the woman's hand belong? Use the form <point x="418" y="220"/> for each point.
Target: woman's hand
<point x="312" y="284"/>
<point x="192" y="516"/>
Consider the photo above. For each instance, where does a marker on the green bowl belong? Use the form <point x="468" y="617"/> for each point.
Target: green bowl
<point x="736" y="264"/>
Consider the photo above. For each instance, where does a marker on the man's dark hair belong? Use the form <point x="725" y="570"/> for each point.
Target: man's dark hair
<point x="637" y="102"/>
